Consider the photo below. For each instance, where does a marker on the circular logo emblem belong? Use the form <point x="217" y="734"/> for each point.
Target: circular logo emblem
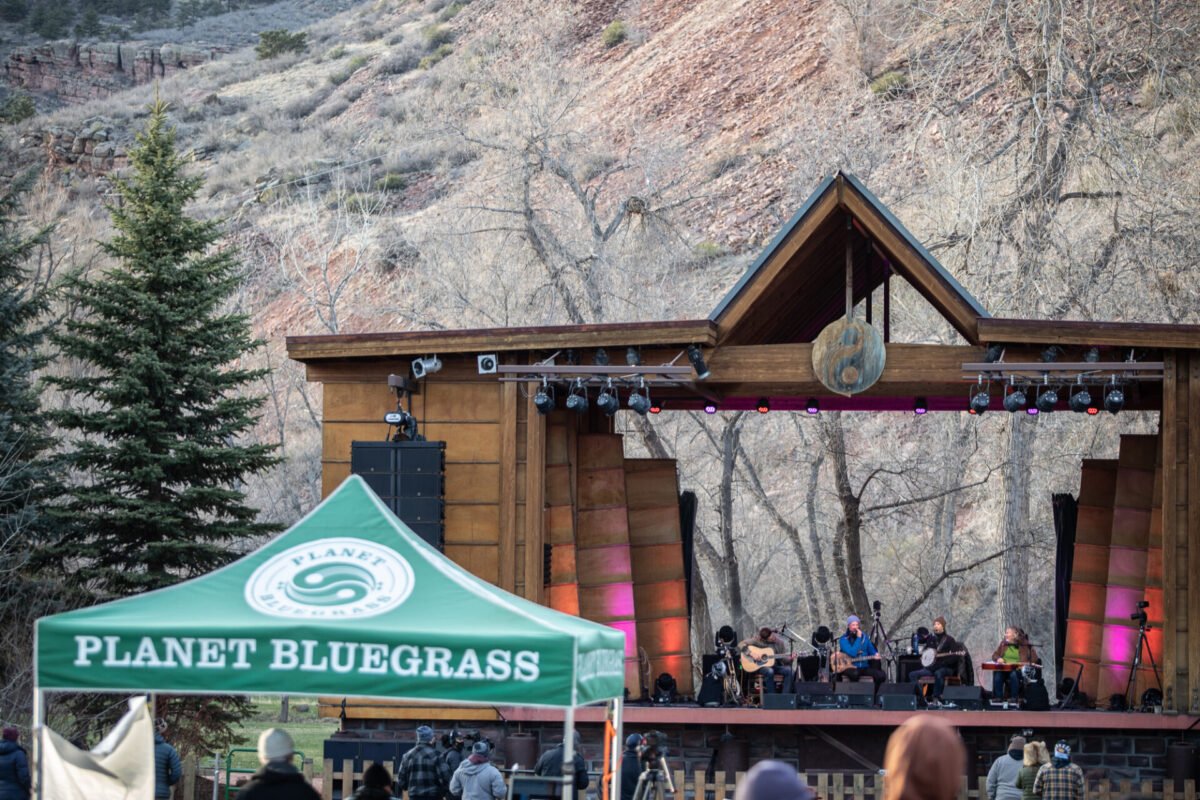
<point x="331" y="578"/>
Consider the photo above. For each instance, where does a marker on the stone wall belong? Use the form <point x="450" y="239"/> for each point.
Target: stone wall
<point x="90" y="147"/>
<point x="76" y="72"/>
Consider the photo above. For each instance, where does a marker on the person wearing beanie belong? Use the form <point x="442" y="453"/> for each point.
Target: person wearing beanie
<point x="1030" y="764"/>
<point x="1060" y="779"/>
<point x="947" y="657"/>
<point x="376" y="785"/>
<point x="15" y="780"/>
<point x="861" y="653"/>
<point x="1002" y="777"/>
<point x="277" y="778"/>
<point x="925" y="760"/>
<point x="477" y="778"/>
<point x="167" y="767"/>
<point x="631" y="765"/>
<point x="551" y="764"/>
<point x="772" y="780"/>
<point x="423" y="772"/>
<point x="767" y="639"/>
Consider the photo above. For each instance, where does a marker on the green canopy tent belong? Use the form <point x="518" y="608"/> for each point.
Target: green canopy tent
<point x="347" y="602"/>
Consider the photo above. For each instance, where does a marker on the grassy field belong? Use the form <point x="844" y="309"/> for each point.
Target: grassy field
<point x="308" y="730"/>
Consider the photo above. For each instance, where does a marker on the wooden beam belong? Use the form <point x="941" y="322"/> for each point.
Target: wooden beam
<point x="1110" y="334"/>
<point x="506" y="568"/>
<point x="915" y="269"/>
<point x="488" y="340"/>
<point x="1167" y="430"/>
<point x="783" y="364"/>
<point x="1191" y="529"/>
<point x="535" y="500"/>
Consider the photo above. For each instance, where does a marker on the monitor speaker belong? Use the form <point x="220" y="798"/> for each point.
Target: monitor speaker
<point x="855" y="694"/>
<point x="969" y="698"/>
<point x="815" y="694"/>
<point x="898" y="696"/>
<point x="779" y="701"/>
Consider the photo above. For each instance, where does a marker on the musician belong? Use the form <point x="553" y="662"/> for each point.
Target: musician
<point x="946" y="659"/>
<point x="1013" y="649"/>
<point x="861" y="653"/>
<point x="768" y="639"/>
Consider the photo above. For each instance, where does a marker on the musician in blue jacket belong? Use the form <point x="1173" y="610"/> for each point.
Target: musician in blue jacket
<point x="767" y="640"/>
<point x="862" y="653"/>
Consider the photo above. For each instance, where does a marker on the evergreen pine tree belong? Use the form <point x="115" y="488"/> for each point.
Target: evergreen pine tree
<point x="162" y="401"/>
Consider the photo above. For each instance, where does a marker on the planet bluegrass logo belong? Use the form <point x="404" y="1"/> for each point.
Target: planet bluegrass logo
<point x="330" y="579"/>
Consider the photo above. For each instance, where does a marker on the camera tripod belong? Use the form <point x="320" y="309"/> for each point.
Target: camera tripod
<point x="879" y="633"/>
<point x="655" y="778"/>
<point x="1143" y="641"/>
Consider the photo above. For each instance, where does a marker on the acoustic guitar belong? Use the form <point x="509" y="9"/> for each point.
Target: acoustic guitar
<point x="839" y="662"/>
<point x="754" y="658"/>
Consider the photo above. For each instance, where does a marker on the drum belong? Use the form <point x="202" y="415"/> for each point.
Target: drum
<point x="928" y="656"/>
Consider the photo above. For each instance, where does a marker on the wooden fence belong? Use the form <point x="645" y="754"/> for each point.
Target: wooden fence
<point x="702" y="786"/>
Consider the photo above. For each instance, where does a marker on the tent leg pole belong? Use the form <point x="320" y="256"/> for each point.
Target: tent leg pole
<point x="39" y="722"/>
<point x="618" y="747"/>
<point x="568" y="765"/>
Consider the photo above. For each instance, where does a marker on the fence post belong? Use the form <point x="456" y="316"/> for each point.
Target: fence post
<point x="189" y="779"/>
<point x="719" y="785"/>
<point x="306" y="768"/>
<point x="327" y="779"/>
<point x="700" y="781"/>
<point x="981" y="790"/>
<point x="681" y="785"/>
<point x="836" y="791"/>
<point x="347" y="777"/>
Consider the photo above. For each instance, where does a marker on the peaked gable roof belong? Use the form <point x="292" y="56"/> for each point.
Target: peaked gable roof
<point x="796" y="287"/>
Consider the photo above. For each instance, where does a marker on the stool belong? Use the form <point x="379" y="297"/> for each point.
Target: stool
<point x="758" y="686"/>
<point x="926" y="681"/>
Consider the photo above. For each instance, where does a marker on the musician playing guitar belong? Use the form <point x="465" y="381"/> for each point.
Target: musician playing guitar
<point x="1014" y="649"/>
<point x="946" y="654"/>
<point x="758" y="658"/>
<point x="859" y="653"/>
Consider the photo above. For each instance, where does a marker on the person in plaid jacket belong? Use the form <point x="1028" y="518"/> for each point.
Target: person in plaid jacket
<point x="1060" y="779"/>
<point x="423" y="772"/>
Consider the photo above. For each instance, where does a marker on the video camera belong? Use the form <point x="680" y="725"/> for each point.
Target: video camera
<point x="469" y="739"/>
<point x="1140" y="614"/>
<point x="652" y="751"/>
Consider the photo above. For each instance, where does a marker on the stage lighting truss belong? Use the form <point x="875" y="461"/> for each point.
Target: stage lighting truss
<point x="1108" y="377"/>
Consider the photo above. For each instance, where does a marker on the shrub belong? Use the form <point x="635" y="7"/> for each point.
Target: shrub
<point x="352" y="66"/>
<point x="335" y="52"/>
<point x="707" y="251"/>
<point x="391" y="182"/>
<point x="357" y="203"/>
<point x="891" y="85"/>
<point x="726" y="164"/>
<point x="437" y="55"/>
<point x="17" y="108"/>
<point x="402" y="59"/>
<point x="614" y="34"/>
<point x="303" y="107"/>
<point x="436" y="35"/>
<point x="449" y="11"/>
<point x="277" y="42"/>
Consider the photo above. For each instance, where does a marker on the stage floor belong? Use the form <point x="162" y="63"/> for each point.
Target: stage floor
<point x="851" y="717"/>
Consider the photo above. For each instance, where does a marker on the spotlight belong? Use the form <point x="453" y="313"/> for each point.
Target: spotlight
<point x="608" y="402"/>
<point x="697" y="358"/>
<point x="600" y="359"/>
<point x="487" y="364"/>
<point x="994" y="353"/>
<point x="571" y="357"/>
<point x="425" y="366"/>
<point x="812" y="405"/>
<point x="710" y="407"/>
<point x="1092" y="355"/>
<point x="1114" y="401"/>
<point x="633" y="357"/>
<point x="1080" y="400"/>
<point x="764" y="405"/>
<point x="577" y="400"/>
<point x="543" y="401"/>
<point x="639" y="402"/>
<point x="1014" y="401"/>
<point x="1046" y="400"/>
<point x="920" y="405"/>
<point x="655" y="407"/>
<point x="980" y="401"/>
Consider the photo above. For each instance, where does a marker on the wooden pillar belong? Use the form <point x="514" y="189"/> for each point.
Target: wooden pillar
<point x="535" y="500"/>
<point x="1188" y="505"/>
<point x="1172" y="702"/>
<point x="506" y="566"/>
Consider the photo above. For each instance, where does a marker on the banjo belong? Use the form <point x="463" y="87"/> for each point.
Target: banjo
<point x="929" y="655"/>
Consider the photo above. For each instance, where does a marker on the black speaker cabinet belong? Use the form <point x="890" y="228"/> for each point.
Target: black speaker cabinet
<point x="409" y="478"/>
<point x="905" y="665"/>
<point x="815" y="694"/>
<point x="855" y="694"/>
<point x="968" y="698"/>
<point x="779" y="700"/>
<point x="898" y="696"/>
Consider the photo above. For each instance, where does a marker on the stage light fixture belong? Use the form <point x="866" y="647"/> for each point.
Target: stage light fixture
<point x="1114" y="400"/>
<point x="600" y="358"/>
<point x="920" y="405"/>
<point x="1093" y="409"/>
<point x="425" y="366"/>
<point x="577" y="400"/>
<point x="1092" y="355"/>
<point x="633" y="357"/>
<point x="543" y="401"/>
<point x="981" y="401"/>
<point x="1032" y="411"/>
<point x="1080" y="399"/>
<point x="764" y="405"/>
<point x="608" y="402"/>
<point x="655" y="407"/>
<point x="639" y="402"/>
<point x="1047" y="399"/>
<point x="812" y="405"/>
<point x="710" y="407"/>
<point x="1014" y="401"/>
<point x="696" y="356"/>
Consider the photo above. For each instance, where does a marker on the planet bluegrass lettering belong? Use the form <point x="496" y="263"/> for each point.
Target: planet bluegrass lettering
<point x="309" y="655"/>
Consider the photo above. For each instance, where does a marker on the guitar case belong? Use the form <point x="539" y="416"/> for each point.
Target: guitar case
<point x="711" y="691"/>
